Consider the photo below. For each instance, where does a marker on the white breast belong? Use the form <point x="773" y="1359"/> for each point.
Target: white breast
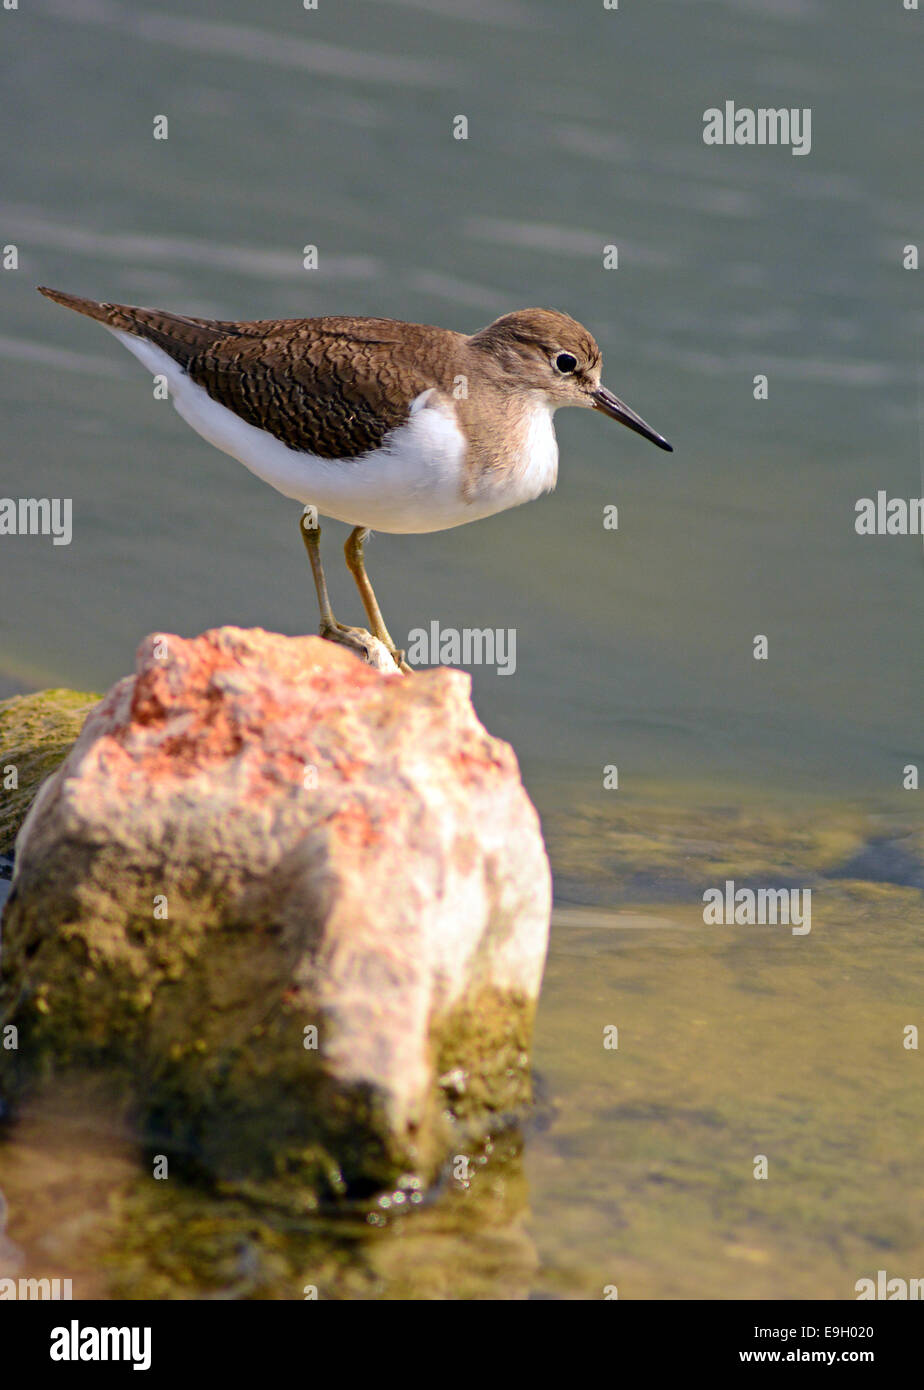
<point x="413" y="483"/>
<point x="540" y="472"/>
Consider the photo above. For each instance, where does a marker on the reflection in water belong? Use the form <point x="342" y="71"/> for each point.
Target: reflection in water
<point x="86" y="1207"/>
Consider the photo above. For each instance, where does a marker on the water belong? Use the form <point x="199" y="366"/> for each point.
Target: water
<point x="582" y="132"/>
<point x="333" y="128"/>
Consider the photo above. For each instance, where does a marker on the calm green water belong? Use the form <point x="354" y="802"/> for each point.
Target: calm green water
<point x="334" y="128"/>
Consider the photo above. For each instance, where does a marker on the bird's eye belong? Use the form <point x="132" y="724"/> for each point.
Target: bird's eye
<point x="565" y="362"/>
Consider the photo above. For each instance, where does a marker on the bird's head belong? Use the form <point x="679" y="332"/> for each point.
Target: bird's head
<point x="543" y="350"/>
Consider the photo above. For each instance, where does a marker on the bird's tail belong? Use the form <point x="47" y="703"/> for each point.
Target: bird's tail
<point x="112" y="315"/>
<point x="180" y="337"/>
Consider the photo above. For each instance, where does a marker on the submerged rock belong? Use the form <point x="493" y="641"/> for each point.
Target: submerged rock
<point x="294" y="910"/>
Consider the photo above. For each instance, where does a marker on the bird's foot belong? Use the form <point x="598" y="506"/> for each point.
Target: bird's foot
<point x="368" y="648"/>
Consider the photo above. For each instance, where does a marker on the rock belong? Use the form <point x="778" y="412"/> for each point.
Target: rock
<point x="36" y="732"/>
<point x="258" y="836"/>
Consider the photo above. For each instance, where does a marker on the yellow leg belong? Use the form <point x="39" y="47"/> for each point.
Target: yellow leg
<point x="353" y="552"/>
<point x="353" y="637"/>
<point x="311" y="535"/>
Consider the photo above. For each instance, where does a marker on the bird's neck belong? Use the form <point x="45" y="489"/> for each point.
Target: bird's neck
<point x="510" y="442"/>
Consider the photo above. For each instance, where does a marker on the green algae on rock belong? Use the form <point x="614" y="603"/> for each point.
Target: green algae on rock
<point x="36" y="732"/>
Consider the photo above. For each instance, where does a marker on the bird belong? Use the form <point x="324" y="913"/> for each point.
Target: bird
<point x="397" y="427"/>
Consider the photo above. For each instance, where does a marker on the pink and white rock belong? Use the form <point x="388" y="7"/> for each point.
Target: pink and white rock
<point x="256" y="836"/>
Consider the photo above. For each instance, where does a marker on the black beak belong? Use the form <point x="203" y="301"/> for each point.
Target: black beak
<point x="613" y="407"/>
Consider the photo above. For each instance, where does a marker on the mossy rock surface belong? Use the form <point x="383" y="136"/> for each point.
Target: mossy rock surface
<point x="254" y="839"/>
<point x="36" y="732"/>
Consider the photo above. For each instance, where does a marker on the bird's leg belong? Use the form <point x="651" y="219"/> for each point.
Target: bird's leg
<point x="352" y="637"/>
<point x="353" y="551"/>
<point x="311" y="535"/>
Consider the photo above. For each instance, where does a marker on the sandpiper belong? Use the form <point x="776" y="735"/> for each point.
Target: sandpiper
<point x="381" y="424"/>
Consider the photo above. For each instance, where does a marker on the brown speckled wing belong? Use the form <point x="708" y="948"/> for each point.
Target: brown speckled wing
<point x="333" y="387"/>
